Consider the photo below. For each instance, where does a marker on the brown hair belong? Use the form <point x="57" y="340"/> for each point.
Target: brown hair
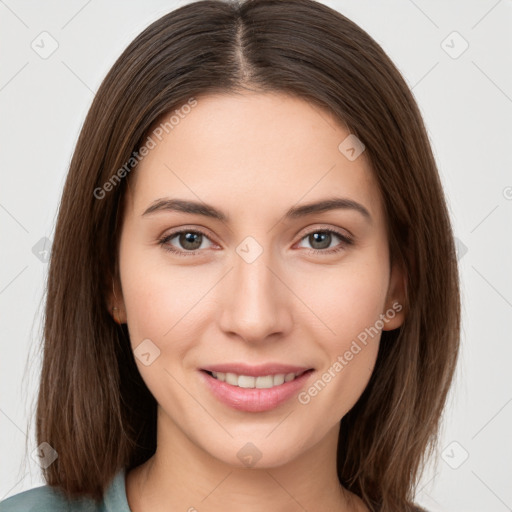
<point x="93" y="406"/>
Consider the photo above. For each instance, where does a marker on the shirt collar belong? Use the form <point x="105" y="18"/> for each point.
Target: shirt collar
<point x="115" y="496"/>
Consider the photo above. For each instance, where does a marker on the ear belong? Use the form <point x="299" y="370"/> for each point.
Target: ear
<point x="115" y="302"/>
<point x="396" y="299"/>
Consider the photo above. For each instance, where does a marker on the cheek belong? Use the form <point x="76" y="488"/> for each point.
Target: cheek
<point x="169" y="305"/>
<point x="158" y="299"/>
<point x="349" y="301"/>
<point x="159" y="304"/>
<point x="349" y="298"/>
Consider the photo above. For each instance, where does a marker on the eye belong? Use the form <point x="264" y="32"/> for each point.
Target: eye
<point x="190" y="240"/>
<point x="321" y="239"/>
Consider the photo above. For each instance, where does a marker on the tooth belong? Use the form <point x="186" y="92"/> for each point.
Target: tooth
<point x="264" y="382"/>
<point x="232" y="379"/>
<point x="245" y="381"/>
<point x="278" y="379"/>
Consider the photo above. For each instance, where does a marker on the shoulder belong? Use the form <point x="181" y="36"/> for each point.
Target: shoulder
<point x="50" y="499"/>
<point x="45" y="499"/>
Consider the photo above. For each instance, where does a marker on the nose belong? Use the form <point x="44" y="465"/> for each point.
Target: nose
<point x="257" y="304"/>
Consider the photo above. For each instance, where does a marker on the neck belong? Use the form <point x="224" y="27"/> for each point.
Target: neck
<point x="183" y="476"/>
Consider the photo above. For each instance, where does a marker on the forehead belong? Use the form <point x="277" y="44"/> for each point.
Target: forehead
<point x="250" y="153"/>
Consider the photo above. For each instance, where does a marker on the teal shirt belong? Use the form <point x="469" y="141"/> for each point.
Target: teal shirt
<point x="48" y="499"/>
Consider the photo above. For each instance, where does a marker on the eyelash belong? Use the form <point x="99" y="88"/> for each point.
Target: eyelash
<point x="345" y="241"/>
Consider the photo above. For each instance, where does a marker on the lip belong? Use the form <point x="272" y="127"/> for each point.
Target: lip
<point x="254" y="399"/>
<point x="255" y="370"/>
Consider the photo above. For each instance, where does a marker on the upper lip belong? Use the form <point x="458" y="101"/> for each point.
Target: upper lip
<point x="256" y="370"/>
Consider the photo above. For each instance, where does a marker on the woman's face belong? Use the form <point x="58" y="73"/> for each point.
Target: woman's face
<point x="257" y="281"/>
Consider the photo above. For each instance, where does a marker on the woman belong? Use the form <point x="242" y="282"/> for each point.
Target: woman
<point x="252" y="297"/>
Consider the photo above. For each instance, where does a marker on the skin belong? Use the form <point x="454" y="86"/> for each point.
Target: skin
<point x="253" y="156"/>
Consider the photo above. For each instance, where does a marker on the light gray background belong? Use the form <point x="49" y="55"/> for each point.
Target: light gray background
<point x="467" y="106"/>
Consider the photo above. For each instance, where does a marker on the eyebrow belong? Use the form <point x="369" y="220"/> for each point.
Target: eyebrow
<point x="197" y="208"/>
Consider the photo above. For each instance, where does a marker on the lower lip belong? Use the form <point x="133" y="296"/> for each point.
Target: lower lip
<point x="254" y="399"/>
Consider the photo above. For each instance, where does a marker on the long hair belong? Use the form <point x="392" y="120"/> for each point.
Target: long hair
<point x="93" y="406"/>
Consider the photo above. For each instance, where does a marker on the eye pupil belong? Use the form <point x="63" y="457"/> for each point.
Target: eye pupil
<point x="322" y="237"/>
<point x="187" y="239"/>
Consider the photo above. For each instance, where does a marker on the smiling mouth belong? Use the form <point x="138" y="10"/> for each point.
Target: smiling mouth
<point x="262" y="391"/>
<point x="255" y="382"/>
